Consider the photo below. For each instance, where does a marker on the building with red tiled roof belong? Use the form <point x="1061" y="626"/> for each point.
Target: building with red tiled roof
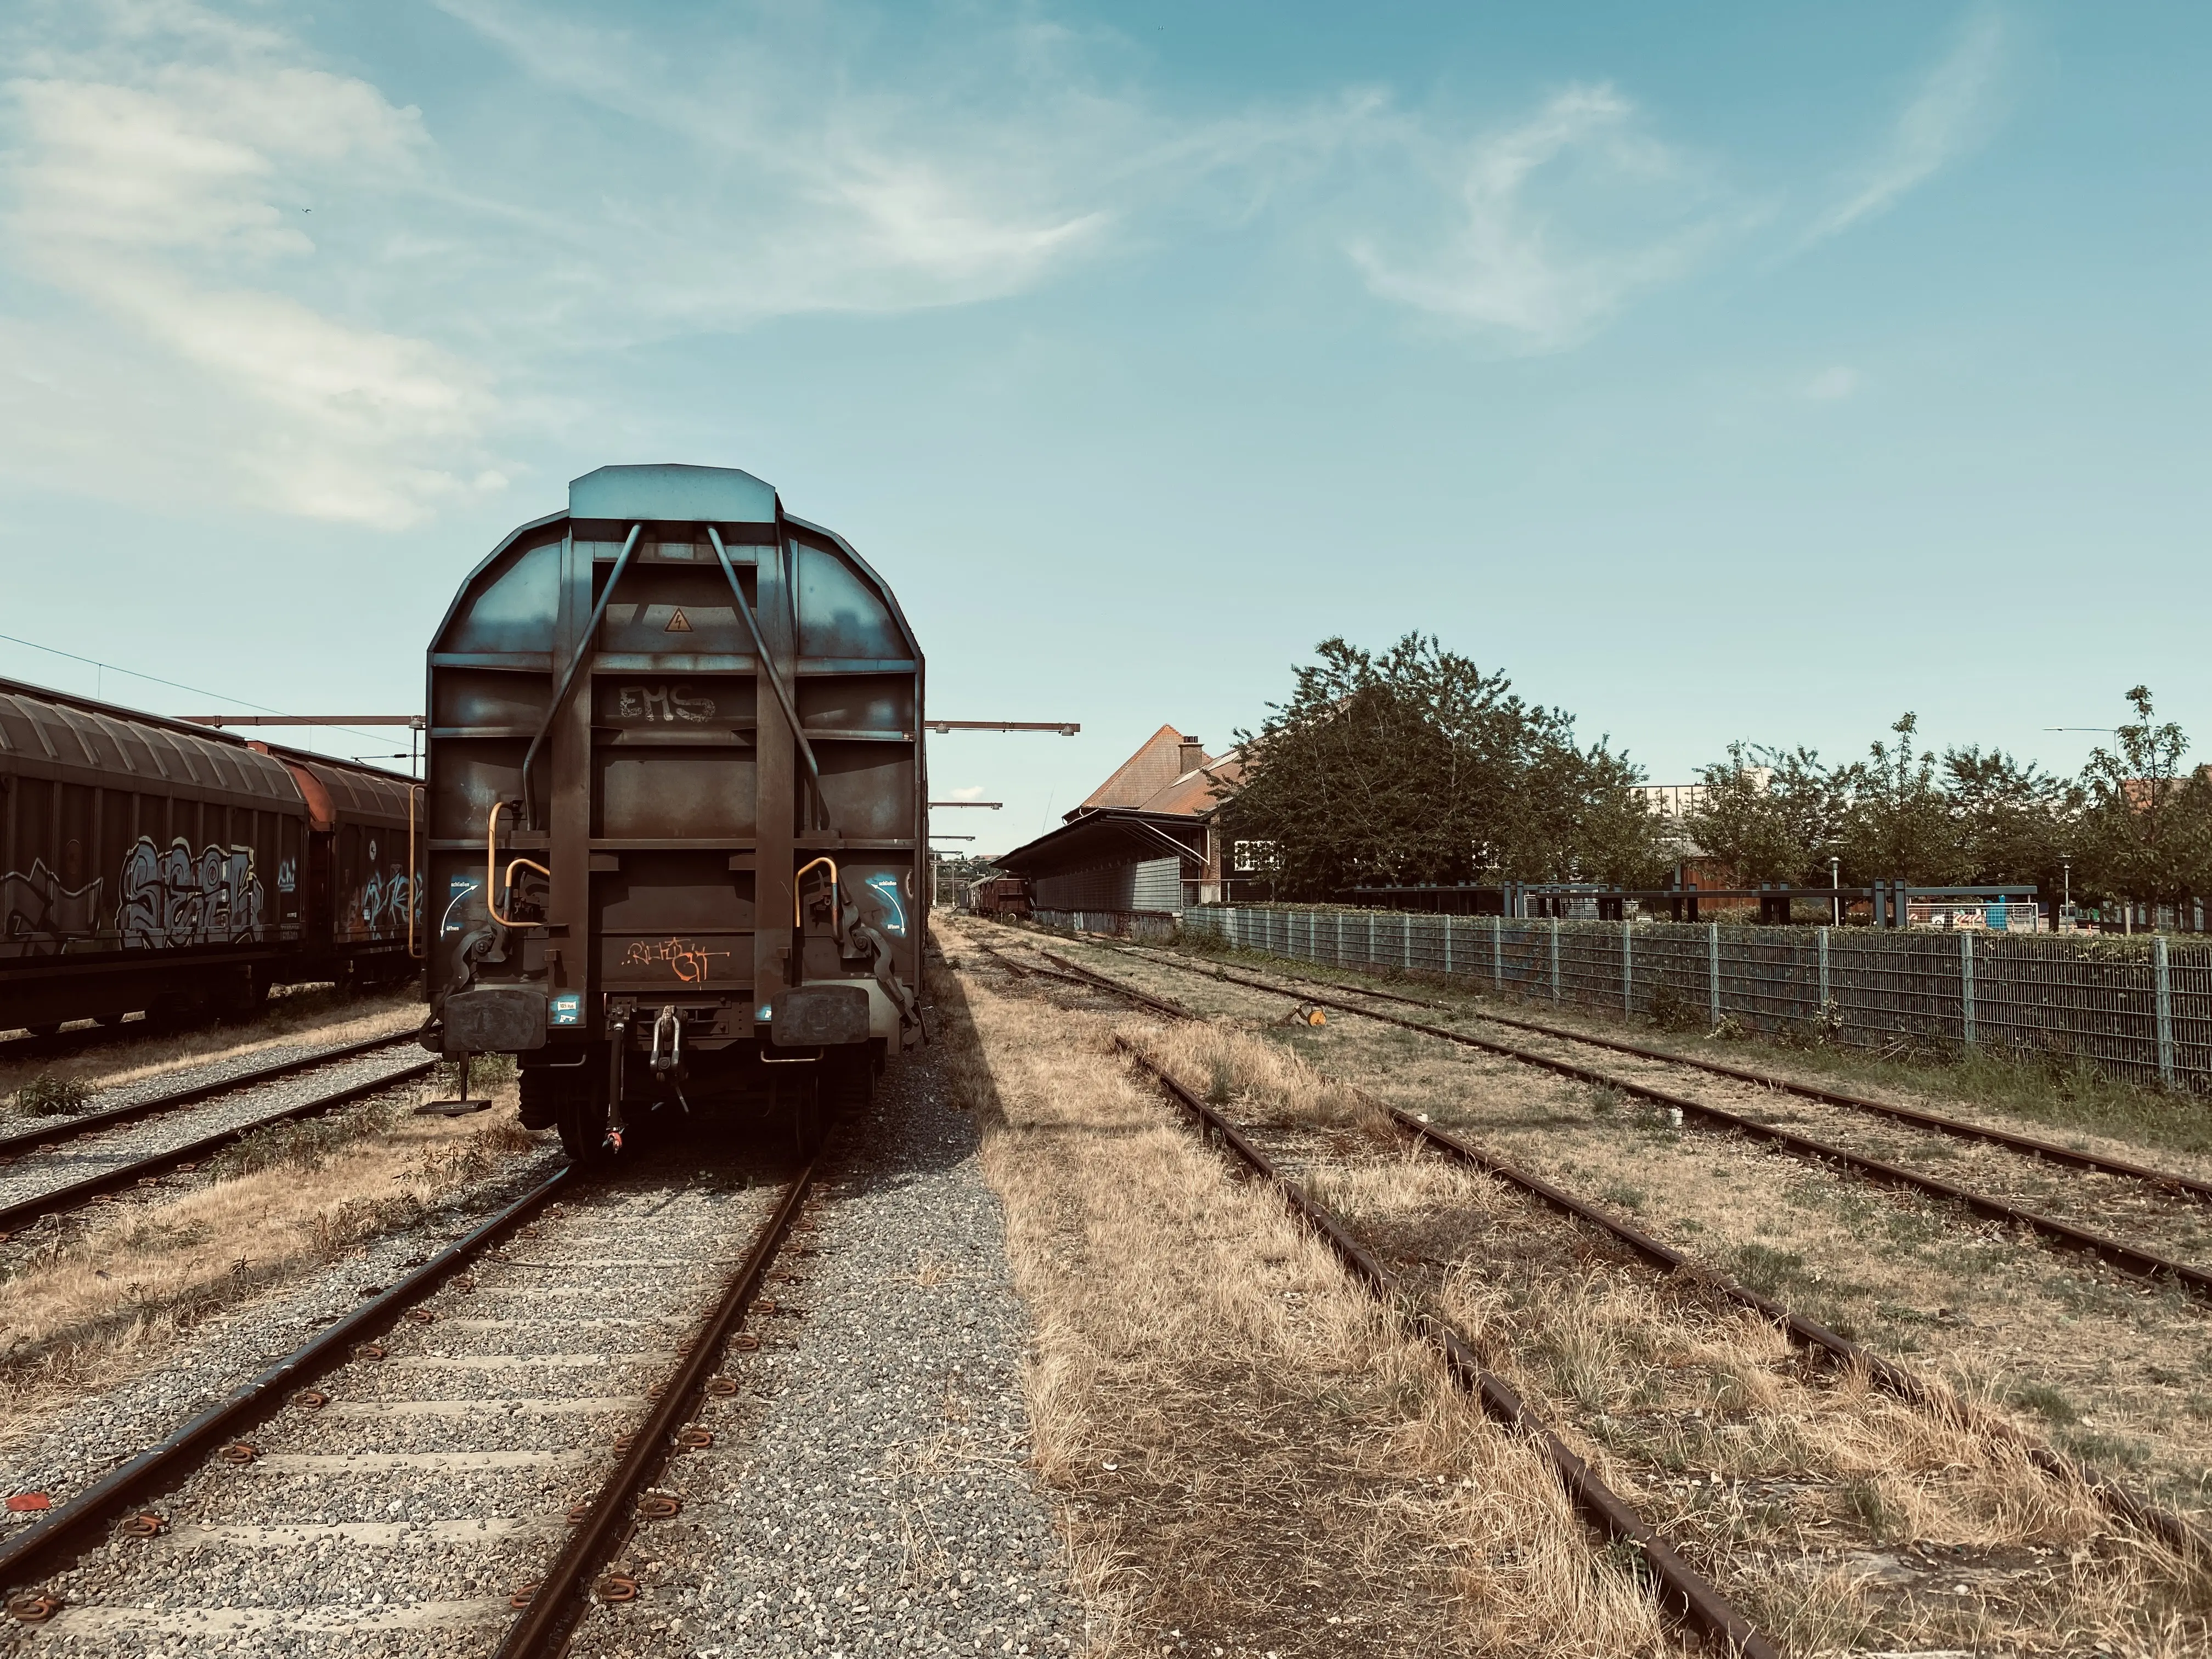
<point x="1161" y="760"/>
<point x="1146" y="841"/>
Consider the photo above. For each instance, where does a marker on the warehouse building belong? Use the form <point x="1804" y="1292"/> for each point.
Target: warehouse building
<point x="1146" y="841"/>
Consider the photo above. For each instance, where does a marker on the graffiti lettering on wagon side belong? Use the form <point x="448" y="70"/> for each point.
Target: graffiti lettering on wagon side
<point x="171" y="898"/>
<point x="656" y="704"/>
<point x="684" y="958"/>
<point x="39" y="915"/>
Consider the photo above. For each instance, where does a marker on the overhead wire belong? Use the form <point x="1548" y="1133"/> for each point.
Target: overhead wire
<point x="178" y="685"/>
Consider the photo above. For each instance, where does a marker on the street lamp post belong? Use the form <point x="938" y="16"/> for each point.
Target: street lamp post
<point x="1836" y="880"/>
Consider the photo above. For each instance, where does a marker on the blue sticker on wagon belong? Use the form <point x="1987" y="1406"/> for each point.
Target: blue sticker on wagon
<point x="567" y="1009"/>
<point x="886" y="888"/>
<point x="464" y="905"/>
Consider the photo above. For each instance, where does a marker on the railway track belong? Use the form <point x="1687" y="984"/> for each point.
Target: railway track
<point x="43" y="1179"/>
<point x="54" y="1132"/>
<point x="1688" y="1593"/>
<point x="470" y="1451"/>
<point x="2168" y="1180"/>
<point x="2174" y="1530"/>
<point x="2119" y="1253"/>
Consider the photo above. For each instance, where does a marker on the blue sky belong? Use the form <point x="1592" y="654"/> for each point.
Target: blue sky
<point x="1729" y="371"/>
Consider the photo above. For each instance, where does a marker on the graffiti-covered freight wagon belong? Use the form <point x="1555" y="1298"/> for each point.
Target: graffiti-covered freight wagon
<point x="146" y="864"/>
<point x="675" y="810"/>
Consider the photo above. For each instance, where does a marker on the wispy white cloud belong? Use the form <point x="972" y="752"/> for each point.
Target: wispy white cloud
<point x="161" y="179"/>
<point x="289" y="289"/>
<point x="846" y="178"/>
<point x="1945" y="117"/>
<point x="1831" y="384"/>
<point x="1557" y="221"/>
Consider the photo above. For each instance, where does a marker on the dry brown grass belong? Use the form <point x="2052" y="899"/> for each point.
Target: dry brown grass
<point x="2096" y="1112"/>
<point x="2111" y="1370"/>
<point x="1253" y="1456"/>
<point x="92" y="1307"/>
<point x="1803" y="1493"/>
<point x="308" y="1013"/>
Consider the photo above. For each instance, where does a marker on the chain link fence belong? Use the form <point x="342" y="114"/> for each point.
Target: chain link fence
<point x="2144" y="1012"/>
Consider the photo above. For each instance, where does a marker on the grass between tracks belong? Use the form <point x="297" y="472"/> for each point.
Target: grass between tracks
<point x="98" y="1304"/>
<point x="2113" y="1370"/>
<point x="1253" y="1457"/>
<point x="1838" y="1516"/>
<point x="2012" y="1090"/>
<point x="317" y="1014"/>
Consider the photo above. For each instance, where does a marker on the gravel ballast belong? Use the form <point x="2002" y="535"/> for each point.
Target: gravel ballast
<point x="868" y="1490"/>
<point x="435" y="1483"/>
<point x="70" y="1450"/>
<point x="33" y="1173"/>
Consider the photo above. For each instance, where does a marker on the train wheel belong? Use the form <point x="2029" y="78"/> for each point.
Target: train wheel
<point x="542" y="1089"/>
<point x="580" y="1115"/>
<point x="809" y="1118"/>
<point x="849" y="1082"/>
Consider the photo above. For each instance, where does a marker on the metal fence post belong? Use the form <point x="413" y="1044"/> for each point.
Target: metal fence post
<point x="1555" y="959"/>
<point x="1967" y="984"/>
<point x="1406" y="923"/>
<point x="1713" y="965"/>
<point x="1448" y="921"/>
<point x="2162" y="986"/>
<point x="1339" y="938"/>
<point x="1627" y="970"/>
<point x="1372" y="959"/>
<point x="1498" y="951"/>
<point x="1824" y="972"/>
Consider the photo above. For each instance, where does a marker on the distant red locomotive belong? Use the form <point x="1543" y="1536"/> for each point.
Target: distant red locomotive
<point x="148" y="864"/>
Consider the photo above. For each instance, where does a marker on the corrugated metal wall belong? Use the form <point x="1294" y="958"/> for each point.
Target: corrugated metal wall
<point x="1108" y="888"/>
<point x="1158" y="886"/>
<point x="1152" y="884"/>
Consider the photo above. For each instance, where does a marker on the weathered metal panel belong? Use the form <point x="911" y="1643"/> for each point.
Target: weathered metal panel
<point x="669" y="796"/>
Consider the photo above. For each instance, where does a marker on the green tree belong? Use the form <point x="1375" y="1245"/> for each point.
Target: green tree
<point x="1415" y="766"/>
<point x="1898" y="821"/>
<point x="2015" y="821"/>
<point x="2147" y="833"/>
<point x="1770" y="814"/>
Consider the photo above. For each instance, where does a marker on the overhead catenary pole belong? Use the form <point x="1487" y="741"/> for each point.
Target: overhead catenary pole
<point x="414" y="721"/>
<point x="1065" y="728"/>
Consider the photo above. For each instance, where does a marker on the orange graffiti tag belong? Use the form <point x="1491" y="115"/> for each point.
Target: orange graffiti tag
<point x="683" y="957"/>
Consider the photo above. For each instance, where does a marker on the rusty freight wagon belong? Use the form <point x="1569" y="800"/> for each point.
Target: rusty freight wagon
<point x="675" y="821"/>
<point x="151" y="865"/>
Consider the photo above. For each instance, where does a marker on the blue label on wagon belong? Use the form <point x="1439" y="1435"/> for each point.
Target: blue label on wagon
<point x="568" y="1009"/>
<point x="463" y="904"/>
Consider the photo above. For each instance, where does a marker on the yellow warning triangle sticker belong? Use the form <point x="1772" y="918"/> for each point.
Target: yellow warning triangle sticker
<point x="676" y="624"/>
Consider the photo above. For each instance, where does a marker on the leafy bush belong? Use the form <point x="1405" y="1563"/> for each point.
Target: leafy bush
<point x="48" y="1096"/>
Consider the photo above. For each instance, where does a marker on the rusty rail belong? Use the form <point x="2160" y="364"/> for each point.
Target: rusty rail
<point x="13" y="1215"/>
<point x="560" y="1600"/>
<point x="2172" y="1529"/>
<point x="76" y="1527"/>
<point x="2116" y="1253"/>
<point x="2167" y="1179"/>
<point x="58" y="1130"/>
<point x="1692" y="1596"/>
